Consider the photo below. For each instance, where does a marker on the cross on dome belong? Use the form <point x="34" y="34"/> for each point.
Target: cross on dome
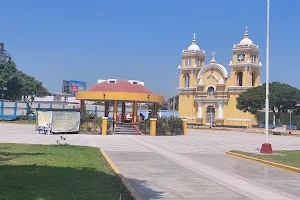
<point x="213" y="58"/>
<point x="246" y="32"/>
<point x="213" y="54"/>
<point x="194" y="46"/>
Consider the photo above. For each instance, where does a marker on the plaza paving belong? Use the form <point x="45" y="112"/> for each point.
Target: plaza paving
<point x="185" y="167"/>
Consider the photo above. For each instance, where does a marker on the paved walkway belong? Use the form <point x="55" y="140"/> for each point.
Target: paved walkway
<point x="186" y="167"/>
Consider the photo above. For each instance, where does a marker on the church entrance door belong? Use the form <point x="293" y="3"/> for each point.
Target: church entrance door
<point x="210" y="115"/>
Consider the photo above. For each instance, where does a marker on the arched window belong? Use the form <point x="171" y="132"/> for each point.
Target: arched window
<point x="253" y="79"/>
<point x="199" y="62"/>
<point x="188" y="61"/>
<point x="187" y="81"/>
<point x="239" y="79"/>
<point x="210" y="90"/>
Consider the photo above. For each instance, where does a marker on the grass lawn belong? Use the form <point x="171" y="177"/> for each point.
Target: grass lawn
<point x="57" y="172"/>
<point x="291" y="158"/>
<point x="19" y="121"/>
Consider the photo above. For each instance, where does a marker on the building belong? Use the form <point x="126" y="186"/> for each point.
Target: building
<point x="57" y="98"/>
<point x="208" y="92"/>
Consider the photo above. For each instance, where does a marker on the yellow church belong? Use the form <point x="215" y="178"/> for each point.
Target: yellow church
<point x="208" y="92"/>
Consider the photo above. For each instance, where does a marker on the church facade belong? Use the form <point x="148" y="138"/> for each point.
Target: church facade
<point x="208" y="92"/>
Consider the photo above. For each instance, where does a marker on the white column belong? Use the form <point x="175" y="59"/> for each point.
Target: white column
<point x="199" y="109"/>
<point x="220" y="110"/>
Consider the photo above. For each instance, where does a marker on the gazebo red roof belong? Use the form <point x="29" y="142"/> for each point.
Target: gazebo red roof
<point x="119" y="86"/>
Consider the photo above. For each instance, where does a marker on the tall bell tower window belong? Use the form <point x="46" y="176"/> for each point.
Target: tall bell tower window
<point x="188" y="61"/>
<point x="253" y="58"/>
<point x="253" y="79"/>
<point x="239" y="79"/>
<point x="199" y="62"/>
<point x="187" y="81"/>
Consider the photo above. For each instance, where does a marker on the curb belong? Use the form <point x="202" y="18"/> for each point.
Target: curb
<point x="129" y="187"/>
<point x="211" y="129"/>
<point x="287" y="167"/>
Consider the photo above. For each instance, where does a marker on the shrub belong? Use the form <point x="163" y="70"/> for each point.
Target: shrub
<point x="162" y="126"/>
<point x="87" y="116"/>
<point x="284" y="118"/>
<point x="175" y="125"/>
<point x="298" y="126"/>
<point x="169" y="126"/>
<point x="144" y="126"/>
<point x="89" y="128"/>
<point x="22" y="117"/>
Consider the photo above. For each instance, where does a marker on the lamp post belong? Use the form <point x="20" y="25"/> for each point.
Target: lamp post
<point x="267" y="147"/>
<point x="4" y="56"/>
<point x="290" y="111"/>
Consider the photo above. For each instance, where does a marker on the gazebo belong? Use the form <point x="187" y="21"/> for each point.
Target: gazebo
<point x="120" y="91"/>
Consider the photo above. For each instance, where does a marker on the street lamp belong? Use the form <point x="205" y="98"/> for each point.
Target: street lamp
<point x="267" y="147"/>
<point x="4" y="56"/>
<point x="290" y="111"/>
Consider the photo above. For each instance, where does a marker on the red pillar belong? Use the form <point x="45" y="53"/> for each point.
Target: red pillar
<point x="82" y="106"/>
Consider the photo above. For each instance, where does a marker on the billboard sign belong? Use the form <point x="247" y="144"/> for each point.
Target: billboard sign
<point x="71" y="87"/>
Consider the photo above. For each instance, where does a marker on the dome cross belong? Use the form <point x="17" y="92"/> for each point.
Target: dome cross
<point x="213" y="54"/>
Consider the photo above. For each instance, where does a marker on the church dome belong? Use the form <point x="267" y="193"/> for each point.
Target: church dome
<point x="194" y="46"/>
<point x="246" y="41"/>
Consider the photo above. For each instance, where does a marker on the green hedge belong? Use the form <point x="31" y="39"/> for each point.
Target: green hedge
<point x="164" y="126"/>
<point x="284" y="118"/>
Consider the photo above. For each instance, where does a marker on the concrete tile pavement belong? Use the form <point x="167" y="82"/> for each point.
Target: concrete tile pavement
<point x="185" y="167"/>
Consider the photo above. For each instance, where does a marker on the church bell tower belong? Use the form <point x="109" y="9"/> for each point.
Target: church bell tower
<point x="245" y="66"/>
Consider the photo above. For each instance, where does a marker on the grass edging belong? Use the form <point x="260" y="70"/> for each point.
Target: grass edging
<point x="287" y="167"/>
<point x="129" y="187"/>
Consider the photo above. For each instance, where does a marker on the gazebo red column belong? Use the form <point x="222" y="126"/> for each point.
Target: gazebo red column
<point x="81" y="105"/>
<point x="106" y="108"/>
<point x="123" y="111"/>
<point x="155" y="107"/>
<point x="115" y="110"/>
<point x="134" y="112"/>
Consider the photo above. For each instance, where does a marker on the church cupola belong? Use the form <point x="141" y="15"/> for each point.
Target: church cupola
<point x="193" y="56"/>
<point x="245" y="66"/>
<point x="194" y="46"/>
<point x="246" y="40"/>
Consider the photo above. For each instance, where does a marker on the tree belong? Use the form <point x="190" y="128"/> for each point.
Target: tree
<point x="10" y="84"/>
<point x="282" y="98"/>
<point x="31" y="88"/>
<point x="16" y="85"/>
<point x="170" y="101"/>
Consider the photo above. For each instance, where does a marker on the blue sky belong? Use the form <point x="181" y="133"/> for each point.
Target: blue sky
<point x="95" y="39"/>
